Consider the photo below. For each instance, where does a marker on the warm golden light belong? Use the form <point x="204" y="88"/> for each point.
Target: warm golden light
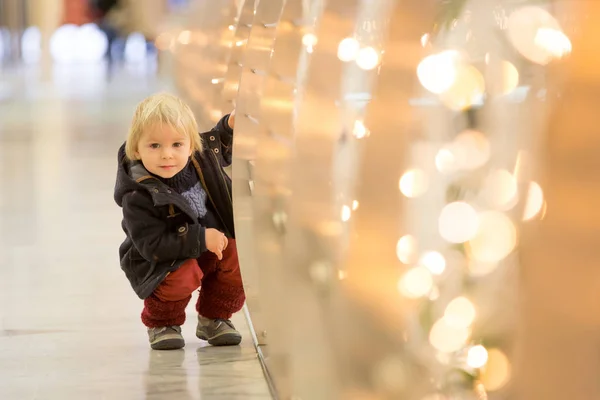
<point x="460" y="313"/>
<point x="554" y="41"/>
<point x="438" y="72"/>
<point x="414" y="183"/>
<point x="445" y="162"/>
<point x="500" y="189"/>
<point x="368" y="58"/>
<point x="359" y="130"/>
<point x="416" y="282"/>
<point x="471" y="150"/>
<point x="477" y="357"/>
<point x="309" y="39"/>
<point x="458" y="222"/>
<point x="348" y="49"/>
<point x="537" y="35"/>
<point x="534" y="202"/>
<point x="185" y="37"/>
<point x="406" y="249"/>
<point x="447" y="338"/>
<point x="355" y="205"/>
<point x="510" y="77"/>
<point x="497" y="371"/>
<point x="434" y="262"/>
<point x="467" y="88"/>
<point x="346" y="213"/>
<point x="496" y="237"/>
<point x="425" y="39"/>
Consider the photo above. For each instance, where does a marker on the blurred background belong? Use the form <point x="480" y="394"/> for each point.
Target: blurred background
<point x="414" y="196"/>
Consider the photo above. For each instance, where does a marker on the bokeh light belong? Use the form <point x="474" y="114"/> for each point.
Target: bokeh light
<point x="497" y="371"/>
<point x="348" y="49"/>
<point x="447" y="338"/>
<point x="136" y="48"/>
<point x="445" y="161"/>
<point x="309" y="39"/>
<point x="434" y="262"/>
<point x="406" y="249"/>
<point x="185" y="37"/>
<point x="368" y="58"/>
<point x="471" y="150"/>
<point x="510" y="77"/>
<point x="346" y="213"/>
<point x="438" y="72"/>
<point x="477" y="356"/>
<point x="534" y="202"/>
<point x="416" y="282"/>
<point x="500" y="189"/>
<point x="537" y="35"/>
<point x="458" y="222"/>
<point x="414" y="183"/>
<point x="554" y="41"/>
<point x="496" y="237"/>
<point x="78" y="44"/>
<point x="467" y="89"/>
<point x="460" y="313"/>
<point x="359" y="130"/>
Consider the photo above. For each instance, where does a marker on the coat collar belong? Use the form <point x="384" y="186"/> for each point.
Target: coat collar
<point x="162" y="195"/>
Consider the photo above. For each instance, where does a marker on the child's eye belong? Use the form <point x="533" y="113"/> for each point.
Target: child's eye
<point x="177" y="144"/>
<point x="155" y="145"/>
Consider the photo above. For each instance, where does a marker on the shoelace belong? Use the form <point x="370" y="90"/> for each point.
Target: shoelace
<point x="226" y="321"/>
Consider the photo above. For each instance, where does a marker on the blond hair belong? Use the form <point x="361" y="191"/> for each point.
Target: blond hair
<point x="162" y="108"/>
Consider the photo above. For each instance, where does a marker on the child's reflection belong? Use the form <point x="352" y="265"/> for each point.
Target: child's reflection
<point x="166" y="376"/>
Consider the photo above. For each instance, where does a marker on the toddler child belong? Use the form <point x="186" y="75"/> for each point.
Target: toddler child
<point x="178" y="221"/>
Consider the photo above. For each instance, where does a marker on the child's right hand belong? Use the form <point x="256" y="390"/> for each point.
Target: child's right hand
<point x="216" y="242"/>
<point x="231" y="119"/>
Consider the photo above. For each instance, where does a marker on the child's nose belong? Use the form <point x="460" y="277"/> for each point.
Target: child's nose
<point x="166" y="152"/>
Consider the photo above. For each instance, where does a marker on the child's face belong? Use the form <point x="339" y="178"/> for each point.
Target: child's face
<point x="163" y="150"/>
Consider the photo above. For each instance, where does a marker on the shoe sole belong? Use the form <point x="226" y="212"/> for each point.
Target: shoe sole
<point x="168" y="344"/>
<point x="224" y="339"/>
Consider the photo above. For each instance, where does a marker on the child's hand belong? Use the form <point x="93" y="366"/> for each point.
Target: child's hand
<point x="216" y="242"/>
<point x="231" y="119"/>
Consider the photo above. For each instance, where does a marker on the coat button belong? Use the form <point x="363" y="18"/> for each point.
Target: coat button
<point x="168" y="191"/>
<point x="181" y="229"/>
<point x="217" y="151"/>
<point x="155" y="190"/>
<point x="212" y="138"/>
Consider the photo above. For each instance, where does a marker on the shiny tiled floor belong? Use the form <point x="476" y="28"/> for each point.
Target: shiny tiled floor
<point x="69" y="322"/>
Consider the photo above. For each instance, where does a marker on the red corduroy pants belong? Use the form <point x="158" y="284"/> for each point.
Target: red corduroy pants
<point x="221" y="290"/>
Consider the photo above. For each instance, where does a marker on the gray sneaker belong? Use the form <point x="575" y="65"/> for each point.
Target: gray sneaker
<point x="166" y="338"/>
<point x="218" y="332"/>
